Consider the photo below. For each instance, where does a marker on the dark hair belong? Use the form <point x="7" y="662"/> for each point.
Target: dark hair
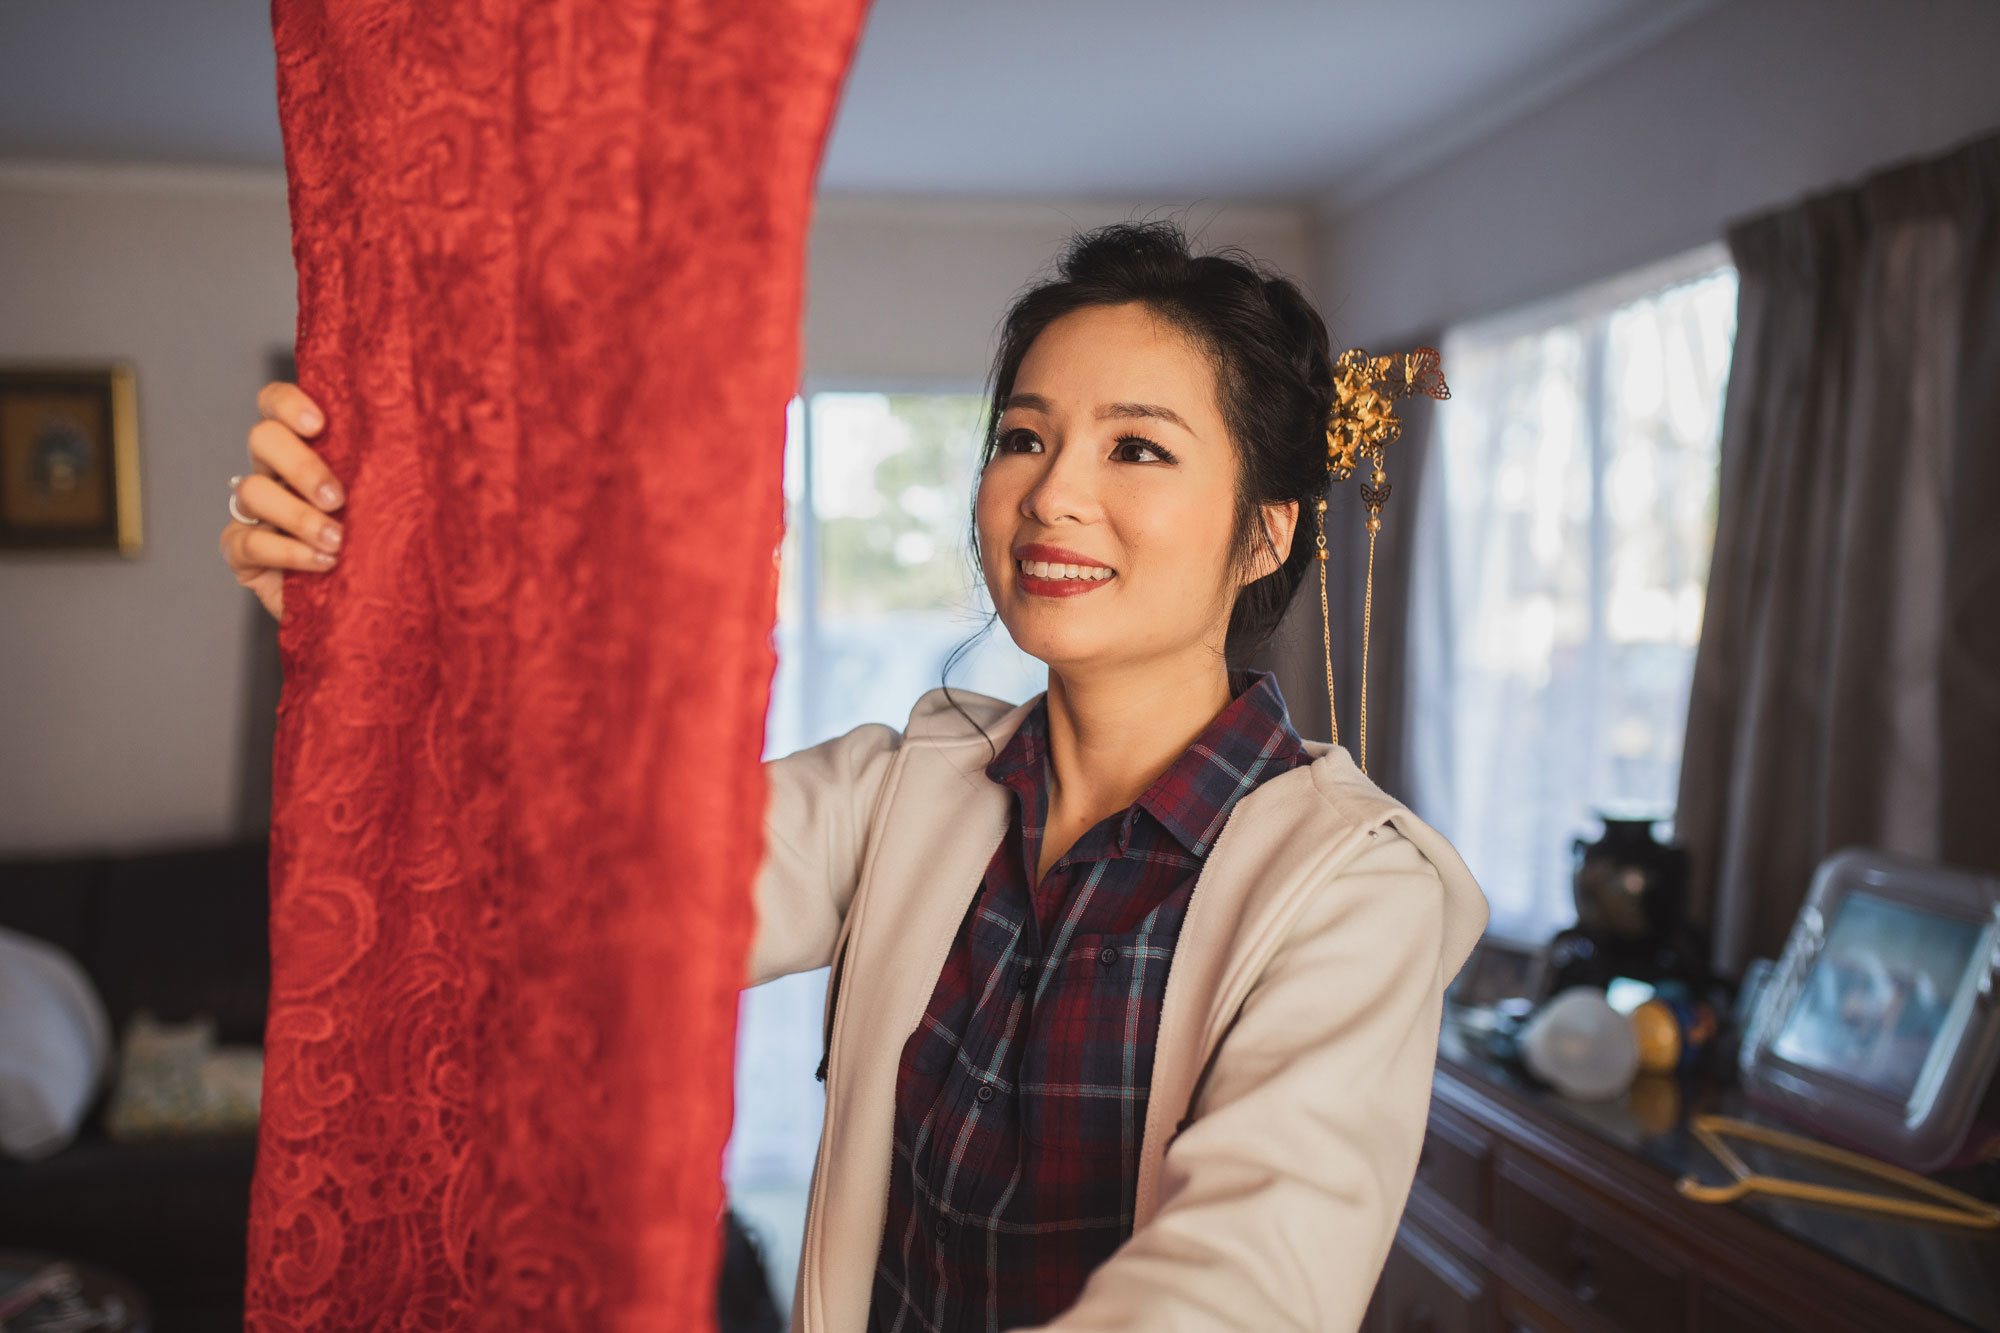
<point x="1273" y="372"/>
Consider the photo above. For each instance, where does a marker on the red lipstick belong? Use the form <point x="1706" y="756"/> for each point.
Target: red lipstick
<point x="1038" y="586"/>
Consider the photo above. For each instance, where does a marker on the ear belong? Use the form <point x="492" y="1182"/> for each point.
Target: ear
<point x="1280" y="521"/>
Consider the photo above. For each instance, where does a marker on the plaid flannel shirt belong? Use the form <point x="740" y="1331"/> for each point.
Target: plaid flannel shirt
<point x="1021" y="1097"/>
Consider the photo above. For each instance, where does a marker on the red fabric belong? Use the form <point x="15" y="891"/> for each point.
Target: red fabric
<point x="550" y="256"/>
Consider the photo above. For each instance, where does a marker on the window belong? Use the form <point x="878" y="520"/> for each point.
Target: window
<point x="1561" y="562"/>
<point x="877" y="586"/>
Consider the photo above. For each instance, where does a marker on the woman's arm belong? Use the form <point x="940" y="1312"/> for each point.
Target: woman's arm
<point x="1279" y="1202"/>
<point x="820" y="806"/>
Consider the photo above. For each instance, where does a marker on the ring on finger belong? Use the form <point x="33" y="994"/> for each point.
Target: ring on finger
<point x="235" y="512"/>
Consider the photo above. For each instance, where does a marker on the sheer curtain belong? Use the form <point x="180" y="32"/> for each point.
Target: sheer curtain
<point x="1563" y="532"/>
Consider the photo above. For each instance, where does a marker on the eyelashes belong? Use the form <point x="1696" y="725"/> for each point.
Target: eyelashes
<point x="1019" y="440"/>
<point x="1141" y="442"/>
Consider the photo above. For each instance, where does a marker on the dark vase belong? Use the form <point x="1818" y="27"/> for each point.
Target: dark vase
<point x="1629" y="888"/>
<point x="1631" y="913"/>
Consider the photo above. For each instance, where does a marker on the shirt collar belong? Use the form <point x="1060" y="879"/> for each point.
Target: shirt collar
<point x="1250" y="740"/>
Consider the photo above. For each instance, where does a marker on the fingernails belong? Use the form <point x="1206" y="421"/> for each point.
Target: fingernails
<point x="309" y="419"/>
<point x="329" y="496"/>
<point x="330" y="535"/>
<point x="323" y="560"/>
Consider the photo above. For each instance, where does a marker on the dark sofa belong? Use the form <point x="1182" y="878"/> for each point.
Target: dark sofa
<point x="180" y="933"/>
<point x="177" y="932"/>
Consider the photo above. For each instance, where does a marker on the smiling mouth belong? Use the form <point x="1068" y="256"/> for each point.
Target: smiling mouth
<point x="1055" y="573"/>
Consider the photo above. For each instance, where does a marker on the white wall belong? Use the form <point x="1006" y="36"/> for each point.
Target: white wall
<point x="119" y="677"/>
<point x="1754" y="104"/>
<point x="911" y="291"/>
<point x="122" y="682"/>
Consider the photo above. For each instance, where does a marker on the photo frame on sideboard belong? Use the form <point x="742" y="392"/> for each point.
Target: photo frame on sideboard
<point x="1880" y="1024"/>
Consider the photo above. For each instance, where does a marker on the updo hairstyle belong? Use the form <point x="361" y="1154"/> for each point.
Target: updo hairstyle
<point x="1274" y="379"/>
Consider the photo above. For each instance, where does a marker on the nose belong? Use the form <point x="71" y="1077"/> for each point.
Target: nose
<point x="1066" y="490"/>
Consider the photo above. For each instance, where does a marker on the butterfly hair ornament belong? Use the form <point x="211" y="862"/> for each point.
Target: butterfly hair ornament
<point x="1359" y="429"/>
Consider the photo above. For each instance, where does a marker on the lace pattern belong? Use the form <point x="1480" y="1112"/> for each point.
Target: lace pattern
<point x="550" y="256"/>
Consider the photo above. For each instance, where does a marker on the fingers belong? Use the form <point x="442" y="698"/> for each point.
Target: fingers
<point x="288" y="404"/>
<point x="290" y="532"/>
<point x="250" y="551"/>
<point x="277" y="449"/>
<point x="279" y="453"/>
<point x="262" y="498"/>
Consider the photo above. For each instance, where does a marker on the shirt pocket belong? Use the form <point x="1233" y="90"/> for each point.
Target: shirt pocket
<point x="1087" y="1065"/>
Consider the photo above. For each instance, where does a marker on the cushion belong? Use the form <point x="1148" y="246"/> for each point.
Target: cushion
<point x="54" y="1045"/>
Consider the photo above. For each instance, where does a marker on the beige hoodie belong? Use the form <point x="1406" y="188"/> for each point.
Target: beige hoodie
<point x="1297" y="1037"/>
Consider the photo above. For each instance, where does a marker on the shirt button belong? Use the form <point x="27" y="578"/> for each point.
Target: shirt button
<point x="943" y="1229"/>
<point x="985" y="1093"/>
<point x="1027" y="978"/>
<point x="1107" y="956"/>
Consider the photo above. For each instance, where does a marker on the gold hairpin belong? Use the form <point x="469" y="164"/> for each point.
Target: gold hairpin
<point x="1362" y="424"/>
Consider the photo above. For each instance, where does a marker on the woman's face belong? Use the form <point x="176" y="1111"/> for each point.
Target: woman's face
<point x="1107" y="510"/>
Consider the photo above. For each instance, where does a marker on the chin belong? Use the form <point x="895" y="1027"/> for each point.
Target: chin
<point x="1062" y="648"/>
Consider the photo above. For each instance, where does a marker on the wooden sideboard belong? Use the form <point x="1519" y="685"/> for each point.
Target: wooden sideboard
<point x="1532" y="1213"/>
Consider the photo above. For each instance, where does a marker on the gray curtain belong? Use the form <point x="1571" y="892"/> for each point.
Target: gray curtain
<point x="1847" y="686"/>
<point x="1295" y="654"/>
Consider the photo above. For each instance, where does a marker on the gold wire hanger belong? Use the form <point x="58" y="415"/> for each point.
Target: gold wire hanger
<point x="1361" y="425"/>
<point x="1964" y="1210"/>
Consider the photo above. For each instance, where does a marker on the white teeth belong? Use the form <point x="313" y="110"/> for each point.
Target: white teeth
<point x="1042" y="569"/>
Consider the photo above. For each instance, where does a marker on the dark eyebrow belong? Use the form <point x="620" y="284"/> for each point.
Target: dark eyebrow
<point x="1116" y="410"/>
<point x="1034" y="402"/>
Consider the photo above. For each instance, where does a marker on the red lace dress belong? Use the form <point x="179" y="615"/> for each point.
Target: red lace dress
<point x="550" y="255"/>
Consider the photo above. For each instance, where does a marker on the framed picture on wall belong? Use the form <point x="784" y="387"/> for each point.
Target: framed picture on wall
<point x="69" y="458"/>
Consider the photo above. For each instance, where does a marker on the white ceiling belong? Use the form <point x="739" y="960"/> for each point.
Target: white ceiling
<point x="1272" y="99"/>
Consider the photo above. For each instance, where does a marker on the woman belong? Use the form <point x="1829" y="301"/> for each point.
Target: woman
<point x="1136" y="993"/>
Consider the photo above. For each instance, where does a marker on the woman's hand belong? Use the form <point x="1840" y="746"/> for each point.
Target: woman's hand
<point x="291" y="532"/>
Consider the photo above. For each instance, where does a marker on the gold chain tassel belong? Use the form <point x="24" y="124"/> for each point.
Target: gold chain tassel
<point x="1326" y="623"/>
<point x="1367" y="617"/>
